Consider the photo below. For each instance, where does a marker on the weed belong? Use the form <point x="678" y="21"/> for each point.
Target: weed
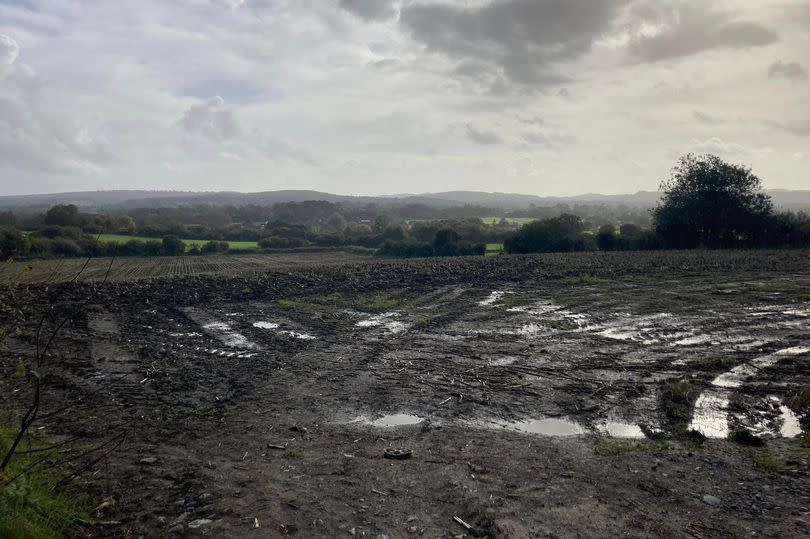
<point x="746" y="437"/>
<point x="800" y="403"/>
<point x="767" y="463"/>
<point x="29" y="508"/>
<point x="607" y="447"/>
<point x="677" y="398"/>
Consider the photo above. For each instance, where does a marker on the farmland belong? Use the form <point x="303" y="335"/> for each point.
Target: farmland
<point x="538" y="395"/>
<point x="119" y="239"/>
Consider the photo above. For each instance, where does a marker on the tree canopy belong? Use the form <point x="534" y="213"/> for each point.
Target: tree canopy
<point x="708" y="202"/>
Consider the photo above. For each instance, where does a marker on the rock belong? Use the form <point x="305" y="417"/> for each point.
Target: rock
<point x="194" y="524"/>
<point x="205" y="497"/>
<point x="714" y="501"/>
<point x="175" y="529"/>
<point x="161" y="520"/>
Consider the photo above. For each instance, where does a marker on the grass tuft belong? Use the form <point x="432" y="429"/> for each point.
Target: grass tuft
<point x="29" y="508"/>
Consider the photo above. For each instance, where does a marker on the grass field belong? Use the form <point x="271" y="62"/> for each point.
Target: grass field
<point x="118" y="238"/>
<point x="494" y="249"/>
<point x="510" y="220"/>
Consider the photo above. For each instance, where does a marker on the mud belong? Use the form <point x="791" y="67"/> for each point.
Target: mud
<point x="261" y="406"/>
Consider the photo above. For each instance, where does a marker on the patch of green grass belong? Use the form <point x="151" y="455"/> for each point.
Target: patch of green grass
<point x="29" y="508"/>
<point x="767" y="463"/>
<point x="608" y="447"/>
<point x="677" y="399"/>
<point x="120" y="239"/>
<point x="719" y="362"/>
<point x="293" y="454"/>
<point x="493" y="249"/>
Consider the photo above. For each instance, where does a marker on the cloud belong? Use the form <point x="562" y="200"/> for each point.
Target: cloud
<point x="9" y="51"/>
<point x="483" y="136"/>
<point x="705" y="118"/>
<point x="523" y="41"/>
<point x="716" y="145"/>
<point x="211" y="119"/>
<point x="792" y="71"/>
<point x="371" y="10"/>
<point x="668" y="29"/>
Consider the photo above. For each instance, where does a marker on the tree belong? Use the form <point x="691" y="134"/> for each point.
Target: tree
<point x="708" y="202"/>
<point x="557" y="234"/>
<point x="606" y="238"/>
<point x="13" y="242"/>
<point x="62" y="215"/>
<point x="172" y="245"/>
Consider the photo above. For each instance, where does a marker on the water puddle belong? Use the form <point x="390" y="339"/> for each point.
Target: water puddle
<point x="790" y="423"/>
<point x="388" y="421"/>
<point x="710" y="416"/>
<point x="265" y="325"/>
<point x="618" y="429"/>
<point x="502" y="361"/>
<point x="228" y="337"/>
<point x="549" y="426"/>
<point x="384" y="320"/>
<point x="272" y="326"/>
<point x="493" y="298"/>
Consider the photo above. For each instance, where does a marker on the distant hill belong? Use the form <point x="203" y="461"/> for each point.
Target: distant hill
<point x="128" y="199"/>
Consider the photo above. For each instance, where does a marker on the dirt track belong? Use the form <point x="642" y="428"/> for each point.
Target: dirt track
<point x="262" y="400"/>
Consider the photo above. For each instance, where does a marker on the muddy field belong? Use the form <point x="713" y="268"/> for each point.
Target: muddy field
<point x="532" y="392"/>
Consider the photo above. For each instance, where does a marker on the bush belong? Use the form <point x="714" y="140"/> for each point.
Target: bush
<point x="173" y="245"/>
<point x="556" y="234"/>
<point x="214" y="247"/>
<point x="65" y="247"/>
<point x="274" y="242"/>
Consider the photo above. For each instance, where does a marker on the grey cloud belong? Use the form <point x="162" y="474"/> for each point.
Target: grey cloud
<point x="9" y="50"/>
<point x="705" y="118"/>
<point x="792" y="71"/>
<point x="685" y="29"/>
<point x="483" y="136"/>
<point x="521" y="40"/>
<point x="371" y="10"/>
<point x="211" y="119"/>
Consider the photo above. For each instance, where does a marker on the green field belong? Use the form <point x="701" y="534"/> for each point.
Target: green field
<point x="119" y="238"/>
<point x="494" y="249"/>
<point x="510" y="220"/>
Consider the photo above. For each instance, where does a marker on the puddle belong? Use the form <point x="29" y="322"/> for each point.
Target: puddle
<point x="392" y="420"/>
<point x="385" y="321"/>
<point x="618" y="429"/>
<point x="265" y="325"/>
<point x="710" y="416"/>
<point x="550" y="426"/>
<point x="297" y="335"/>
<point x="228" y="337"/>
<point x="493" y="297"/>
<point x="502" y="361"/>
<point x="790" y="423"/>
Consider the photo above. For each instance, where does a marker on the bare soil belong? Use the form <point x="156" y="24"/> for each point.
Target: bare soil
<point x="256" y="405"/>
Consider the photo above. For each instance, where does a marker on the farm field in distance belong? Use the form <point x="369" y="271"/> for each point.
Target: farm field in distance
<point x="510" y="220"/>
<point x="121" y="238"/>
<point x="539" y="395"/>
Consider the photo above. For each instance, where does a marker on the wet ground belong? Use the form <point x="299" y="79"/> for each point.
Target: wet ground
<point x="530" y="398"/>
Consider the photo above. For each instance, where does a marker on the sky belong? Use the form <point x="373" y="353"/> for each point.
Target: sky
<point x="545" y="97"/>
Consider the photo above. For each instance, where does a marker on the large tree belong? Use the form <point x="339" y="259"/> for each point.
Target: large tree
<point x="708" y="202"/>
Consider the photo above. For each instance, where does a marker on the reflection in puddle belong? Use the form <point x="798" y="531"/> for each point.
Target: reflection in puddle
<point x="385" y="321"/>
<point x="297" y="335"/>
<point x="617" y="429"/>
<point x="265" y="325"/>
<point x="493" y="297"/>
<point x="550" y="426"/>
<point x="392" y="420"/>
<point x="710" y="416"/>
<point x="790" y="423"/>
<point x="228" y="337"/>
